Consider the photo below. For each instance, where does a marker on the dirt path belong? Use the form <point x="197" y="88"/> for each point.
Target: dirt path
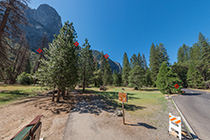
<point x="95" y="120"/>
<point x="15" y="116"/>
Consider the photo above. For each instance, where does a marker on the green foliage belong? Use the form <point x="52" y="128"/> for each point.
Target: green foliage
<point x="183" y="54"/>
<point x="137" y="77"/>
<point x="86" y="64"/>
<point x="161" y="81"/>
<point x="60" y="67"/>
<point x="162" y="54"/>
<point x="172" y="80"/>
<point x="166" y="79"/>
<point x="148" y="80"/>
<point x="116" y="79"/>
<point x="158" y="55"/>
<point x="194" y="77"/>
<point x="125" y="70"/>
<point x="107" y="77"/>
<point x="102" y="62"/>
<point x="97" y="75"/>
<point x="25" y="79"/>
<point x="204" y="65"/>
<point x="197" y="60"/>
<point x="181" y="71"/>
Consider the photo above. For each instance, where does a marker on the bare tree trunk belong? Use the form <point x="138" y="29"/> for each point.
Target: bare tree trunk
<point x="63" y="94"/>
<point x="5" y="18"/>
<point x="58" y="96"/>
<point x="83" y="89"/>
<point x="53" y="97"/>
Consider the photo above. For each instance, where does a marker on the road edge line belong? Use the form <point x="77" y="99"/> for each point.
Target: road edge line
<point x="185" y="121"/>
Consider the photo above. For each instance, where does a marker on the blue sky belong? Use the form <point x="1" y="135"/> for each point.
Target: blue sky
<point x="118" y="26"/>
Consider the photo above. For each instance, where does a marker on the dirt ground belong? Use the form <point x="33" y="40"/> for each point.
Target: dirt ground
<point x="95" y="120"/>
<point x="16" y="115"/>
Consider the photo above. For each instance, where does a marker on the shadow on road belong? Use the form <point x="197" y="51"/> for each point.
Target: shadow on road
<point x="143" y="124"/>
<point x="191" y="94"/>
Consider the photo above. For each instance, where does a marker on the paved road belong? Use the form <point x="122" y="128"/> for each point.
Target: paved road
<point x="195" y="106"/>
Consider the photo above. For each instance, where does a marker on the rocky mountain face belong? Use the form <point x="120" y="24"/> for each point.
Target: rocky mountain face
<point x="46" y="21"/>
<point x="41" y="21"/>
<point x="114" y="65"/>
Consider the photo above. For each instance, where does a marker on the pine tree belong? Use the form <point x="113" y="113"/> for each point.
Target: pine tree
<point x="161" y="81"/>
<point x="86" y="64"/>
<point x="163" y="56"/>
<point x="137" y="77"/>
<point x="154" y="62"/>
<point x="116" y="79"/>
<point x="183" y="54"/>
<point x="97" y="76"/>
<point x="144" y="62"/>
<point x="133" y="61"/>
<point x="107" y="76"/>
<point x="204" y="64"/>
<point x="181" y="71"/>
<point x="195" y="54"/>
<point x="102" y="62"/>
<point x="167" y="79"/>
<point x="125" y="70"/>
<point x="194" y="77"/>
<point x="148" y="80"/>
<point x="59" y="69"/>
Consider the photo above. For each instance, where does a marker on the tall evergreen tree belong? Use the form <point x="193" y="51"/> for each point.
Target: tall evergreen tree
<point x="59" y="69"/>
<point x="97" y="74"/>
<point x="148" y="80"/>
<point x="86" y="64"/>
<point x="183" y="54"/>
<point x="107" y="77"/>
<point x="163" y="56"/>
<point x="102" y="62"/>
<point x="204" y="64"/>
<point x="154" y="62"/>
<point x="125" y="70"/>
<point x="181" y="71"/>
<point x="161" y="81"/>
<point x="133" y="61"/>
<point x="195" y="54"/>
<point x="194" y="77"/>
<point x="137" y="77"/>
<point x="144" y="62"/>
<point x="116" y="79"/>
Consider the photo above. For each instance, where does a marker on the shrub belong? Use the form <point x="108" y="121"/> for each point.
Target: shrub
<point x="25" y="79"/>
<point x="166" y="79"/>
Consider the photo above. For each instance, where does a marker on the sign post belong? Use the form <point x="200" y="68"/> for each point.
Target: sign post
<point x="123" y="98"/>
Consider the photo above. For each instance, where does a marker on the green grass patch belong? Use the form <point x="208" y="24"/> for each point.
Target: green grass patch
<point x="9" y="93"/>
<point x="146" y="101"/>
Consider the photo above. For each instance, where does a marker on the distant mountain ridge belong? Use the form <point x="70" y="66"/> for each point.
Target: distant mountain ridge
<point x="46" y="21"/>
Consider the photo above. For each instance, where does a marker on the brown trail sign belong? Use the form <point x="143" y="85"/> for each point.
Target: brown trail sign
<point x="123" y="98"/>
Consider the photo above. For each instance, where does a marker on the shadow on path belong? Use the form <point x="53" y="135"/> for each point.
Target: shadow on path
<point x="97" y="102"/>
<point x="143" y="124"/>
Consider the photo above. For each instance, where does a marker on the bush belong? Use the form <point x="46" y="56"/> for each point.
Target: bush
<point x="207" y="84"/>
<point x="166" y="80"/>
<point x="25" y="79"/>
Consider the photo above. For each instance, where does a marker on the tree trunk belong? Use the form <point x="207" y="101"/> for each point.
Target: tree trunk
<point x="5" y="18"/>
<point x="83" y="89"/>
<point x="58" y="96"/>
<point x="53" y="96"/>
<point x="63" y="94"/>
